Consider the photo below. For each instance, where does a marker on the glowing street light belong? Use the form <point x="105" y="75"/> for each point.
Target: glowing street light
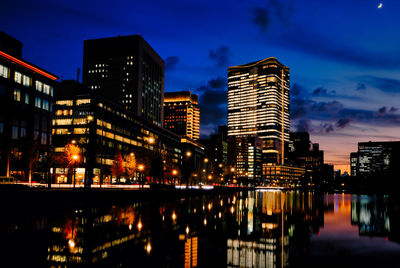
<point x="139" y="225"/>
<point x="148" y="247"/>
<point x="151" y="140"/>
<point x="174" y="172"/>
<point x="71" y="243"/>
<point x="173" y="216"/>
<point x="141" y="167"/>
<point x="90" y="118"/>
<point x="188" y="153"/>
<point x="205" y="160"/>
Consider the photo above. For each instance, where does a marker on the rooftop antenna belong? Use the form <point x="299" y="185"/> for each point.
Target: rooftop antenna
<point x="78" y="72"/>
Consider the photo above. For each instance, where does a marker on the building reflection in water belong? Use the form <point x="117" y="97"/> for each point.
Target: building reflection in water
<point x="246" y="229"/>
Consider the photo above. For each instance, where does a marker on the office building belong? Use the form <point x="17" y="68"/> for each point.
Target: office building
<point x="258" y="106"/>
<point x="127" y="70"/>
<point x="102" y="129"/>
<point x="376" y="159"/>
<point x="26" y="100"/>
<point x="182" y="114"/>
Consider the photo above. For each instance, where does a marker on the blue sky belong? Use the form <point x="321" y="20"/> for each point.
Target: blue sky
<point x="344" y="56"/>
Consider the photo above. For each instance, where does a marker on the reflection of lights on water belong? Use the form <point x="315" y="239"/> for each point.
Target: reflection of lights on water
<point x="221" y="202"/>
<point x="139" y="225"/>
<point x="148" y="247"/>
<point x="204" y="207"/>
<point x="71" y="243"/>
<point x="173" y="216"/>
<point x="232" y="209"/>
<point x="205" y="221"/>
<point x="163" y="217"/>
<point x="194" y="210"/>
<point x="209" y="206"/>
<point x="187" y="229"/>
<point x="130" y="226"/>
<point x="219" y="215"/>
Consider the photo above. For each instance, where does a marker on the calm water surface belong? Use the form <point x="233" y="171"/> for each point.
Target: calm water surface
<point x="248" y="229"/>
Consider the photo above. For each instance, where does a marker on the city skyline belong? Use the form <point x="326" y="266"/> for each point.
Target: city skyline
<point x="344" y="81"/>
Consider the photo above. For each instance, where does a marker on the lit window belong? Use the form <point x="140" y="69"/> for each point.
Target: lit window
<point x="45" y="105"/>
<point x="26" y="81"/>
<point x="39" y="86"/>
<point x="18" y="77"/>
<point x="46" y="89"/>
<point x="4" y="71"/>
<point x="38" y="102"/>
<point x="17" y="95"/>
<point x="82" y="101"/>
<point x="65" y="102"/>
<point x="23" y="132"/>
<point x="26" y="98"/>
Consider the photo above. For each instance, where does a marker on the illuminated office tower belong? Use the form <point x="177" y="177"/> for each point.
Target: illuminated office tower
<point x="127" y="70"/>
<point x="182" y="114"/>
<point x="258" y="106"/>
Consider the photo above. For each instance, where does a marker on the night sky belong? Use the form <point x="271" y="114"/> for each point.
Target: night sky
<point x="344" y="56"/>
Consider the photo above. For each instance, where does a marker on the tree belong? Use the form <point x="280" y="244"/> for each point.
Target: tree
<point x="117" y="168"/>
<point x="130" y="165"/>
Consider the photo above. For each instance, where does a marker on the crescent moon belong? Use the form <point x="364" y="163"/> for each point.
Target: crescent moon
<point x="380" y="5"/>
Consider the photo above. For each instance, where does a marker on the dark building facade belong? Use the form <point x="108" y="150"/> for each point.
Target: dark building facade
<point x="26" y="103"/>
<point x="127" y="70"/>
<point x="182" y="114"/>
<point x="101" y="129"/>
<point x="376" y="159"/>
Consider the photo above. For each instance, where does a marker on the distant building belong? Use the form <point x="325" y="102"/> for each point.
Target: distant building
<point x="102" y="128"/>
<point x="127" y="70"/>
<point x="182" y="114"/>
<point x="376" y="159"/>
<point x="26" y="103"/>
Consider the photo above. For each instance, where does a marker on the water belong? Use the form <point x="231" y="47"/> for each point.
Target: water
<point x="247" y="229"/>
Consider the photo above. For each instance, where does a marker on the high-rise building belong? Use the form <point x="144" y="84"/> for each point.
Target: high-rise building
<point x="258" y="105"/>
<point x="26" y="103"/>
<point x="182" y="114"/>
<point x="127" y="70"/>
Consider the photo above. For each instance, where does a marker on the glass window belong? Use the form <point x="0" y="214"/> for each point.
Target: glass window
<point x="82" y="101"/>
<point x="45" y="105"/>
<point x="2" y="90"/>
<point x="17" y="95"/>
<point x="65" y="102"/>
<point x="39" y="86"/>
<point x="46" y="89"/>
<point x="43" y="138"/>
<point x="4" y="71"/>
<point x="23" y="132"/>
<point x="18" y="77"/>
<point x="14" y="133"/>
<point x="1" y="127"/>
<point x="26" y="98"/>
<point x="26" y="81"/>
<point x="38" y="102"/>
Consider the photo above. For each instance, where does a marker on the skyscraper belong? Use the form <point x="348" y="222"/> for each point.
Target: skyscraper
<point x="258" y="106"/>
<point x="182" y="114"/>
<point x="127" y="70"/>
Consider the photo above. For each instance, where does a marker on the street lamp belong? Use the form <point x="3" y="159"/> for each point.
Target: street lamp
<point x="141" y="168"/>
<point x="75" y="157"/>
<point x="188" y="153"/>
<point x="174" y="173"/>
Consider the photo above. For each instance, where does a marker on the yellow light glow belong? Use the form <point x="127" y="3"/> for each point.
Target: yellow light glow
<point x="187" y="229"/>
<point x="139" y="225"/>
<point x="205" y="222"/>
<point x="71" y="243"/>
<point x="173" y="216"/>
<point x="188" y="153"/>
<point x="148" y="247"/>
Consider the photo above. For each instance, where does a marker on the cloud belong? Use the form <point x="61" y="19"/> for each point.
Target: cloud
<point x="260" y="18"/>
<point x="219" y="82"/>
<point x="393" y="110"/>
<point x="171" y="62"/>
<point x="343" y="122"/>
<point x="213" y="104"/>
<point x="388" y="85"/>
<point x="361" y="86"/>
<point x="303" y="125"/>
<point x="382" y="110"/>
<point x="221" y="56"/>
<point x="320" y="91"/>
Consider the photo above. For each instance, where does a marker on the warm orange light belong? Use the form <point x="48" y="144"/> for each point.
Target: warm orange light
<point x="90" y="117"/>
<point x="26" y="65"/>
<point x="71" y="243"/>
<point x="148" y="247"/>
<point x="141" y="167"/>
<point x="205" y="160"/>
<point x="174" y="172"/>
<point x="75" y="157"/>
<point x="173" y="216"/>
<point x="139" y="225"/>
<point x="188" y="153"/>
<point x="220" y="165"/>
<point x="233" y="169"/>
<point x="151" y="140"/>
<point x="209" y="177"/>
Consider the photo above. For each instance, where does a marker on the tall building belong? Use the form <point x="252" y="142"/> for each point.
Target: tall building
<point x="258" y="106"/>
<point x="26" y="103"/>
<point x="127" y="70"/>
<point x="182" y="114"/>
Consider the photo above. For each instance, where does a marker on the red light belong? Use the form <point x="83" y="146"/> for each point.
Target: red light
<point x="26" y="65"/>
